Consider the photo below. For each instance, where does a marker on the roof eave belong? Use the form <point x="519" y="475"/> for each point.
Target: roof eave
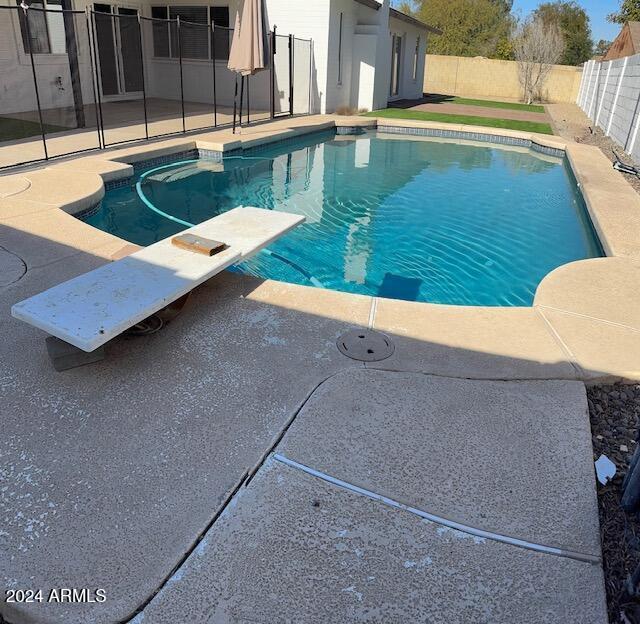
<point x="413" y="21"/>
<point x="375" y="5"/>
<point x="372" y="4"/>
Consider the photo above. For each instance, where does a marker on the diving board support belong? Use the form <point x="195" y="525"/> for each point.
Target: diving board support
<point x="64" y="356"/>
<point x="91" y="309"/>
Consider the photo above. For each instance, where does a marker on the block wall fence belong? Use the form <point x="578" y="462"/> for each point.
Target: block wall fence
<point x="490" y="78"/>
<point x="609" y="94"/>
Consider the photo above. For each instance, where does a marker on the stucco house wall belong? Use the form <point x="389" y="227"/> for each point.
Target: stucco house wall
<point x="17" y="93"/>
<point x="411" y="87"/>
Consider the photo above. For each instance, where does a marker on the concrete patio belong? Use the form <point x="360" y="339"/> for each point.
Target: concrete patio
<point x="236" y="467"/>
<point x="123" y="121"/>
<point x="154" y="463"/>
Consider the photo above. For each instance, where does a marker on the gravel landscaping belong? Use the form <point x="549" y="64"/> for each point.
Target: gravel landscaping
<point x="596" y="137"/>
<point x="615" y="416"/>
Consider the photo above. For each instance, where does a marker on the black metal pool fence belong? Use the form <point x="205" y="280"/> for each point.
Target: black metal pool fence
<point x="88" y="80"/>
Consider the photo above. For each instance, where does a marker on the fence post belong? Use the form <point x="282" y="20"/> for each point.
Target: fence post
<point x="290" y="75"/>
<point x="581" y="89"/>
<point x="94" y="44"/>
<point x="604" y="93"/>
<point x="272" y="100"/>
<point x="310" y="73"/>
<point x="184" y="127"/>
<point x="94" y="77"/>
<point x="595" y="93"/>
<point x="629" y="146"/>
<point x="587" y="87"/>
<point x="241" y="98"/>
<point x="144" y="89"/>
<point x="235" y="104"/>
<point x="587" y="102"/>
<point x="615" y="99"/>
<point x="632" y="145"/>
<point x="213" y="62"/>
<point x="583" y="84"/>
<point x="25" y="8"/>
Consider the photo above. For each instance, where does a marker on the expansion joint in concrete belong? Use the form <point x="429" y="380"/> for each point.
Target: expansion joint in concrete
<point x="571" y="358"/>
<point x="451" y="524"/>
<point x="225" y="503"/>
<point x="372" y="312"/>
<point x="242" y="482"/>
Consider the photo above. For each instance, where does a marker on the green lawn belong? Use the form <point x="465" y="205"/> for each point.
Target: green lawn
<point x="530" y="108"/>
<point x="511" y="124"/>
<point x="13" y="129"/>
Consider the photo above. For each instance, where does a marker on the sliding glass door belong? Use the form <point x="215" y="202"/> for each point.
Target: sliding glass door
<point x="119" y="51"/>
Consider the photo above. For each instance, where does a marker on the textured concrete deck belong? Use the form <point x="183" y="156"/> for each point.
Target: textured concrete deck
<point x="476" y="452"/>
<point x="293" y="548"/>
<point x="114" y="471"/>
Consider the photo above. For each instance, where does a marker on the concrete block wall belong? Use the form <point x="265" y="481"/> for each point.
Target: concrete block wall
<point x="490" y="78"/>
<point x="609" y="95"/>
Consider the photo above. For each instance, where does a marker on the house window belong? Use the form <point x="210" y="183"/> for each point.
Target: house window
<point x="194" y="39"/>
<point x="416" y="58"/>
<point x="46" y="27"/>
<point x="160" y="32"/>
<point x="220" y="17"/>
<point x="340" y="51"/>
<point x="195" y="32"/>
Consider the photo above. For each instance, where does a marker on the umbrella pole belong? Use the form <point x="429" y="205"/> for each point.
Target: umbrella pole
<point x="241" y="97"/>
<point x="235" y="105"/>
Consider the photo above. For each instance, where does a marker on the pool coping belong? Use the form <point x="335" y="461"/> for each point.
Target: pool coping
<point x="582" y="344"/>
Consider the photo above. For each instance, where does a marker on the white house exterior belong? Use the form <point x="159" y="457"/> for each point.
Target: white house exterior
<point x="353" y="50"/>
<point x="363" y="54"/>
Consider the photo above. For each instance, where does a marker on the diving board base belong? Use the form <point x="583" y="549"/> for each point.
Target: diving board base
<point x="65" y="356"/>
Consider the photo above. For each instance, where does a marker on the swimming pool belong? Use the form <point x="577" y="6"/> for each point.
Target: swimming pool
<point x="406" y="217"/>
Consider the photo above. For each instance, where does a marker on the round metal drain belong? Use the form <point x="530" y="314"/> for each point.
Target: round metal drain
<point x="365" y="345"/>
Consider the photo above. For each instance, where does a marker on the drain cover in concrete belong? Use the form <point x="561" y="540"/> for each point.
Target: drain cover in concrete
<point x="12" y="268"/>
<point x="365" y="345"/>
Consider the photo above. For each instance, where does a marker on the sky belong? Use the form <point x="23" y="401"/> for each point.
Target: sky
<point x="596" y="9"/>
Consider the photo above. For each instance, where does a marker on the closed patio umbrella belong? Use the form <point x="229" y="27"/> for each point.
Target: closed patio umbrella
<point x="248" y="54"/>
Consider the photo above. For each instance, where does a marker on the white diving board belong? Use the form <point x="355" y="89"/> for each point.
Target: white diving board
<point x="91" y="309"/>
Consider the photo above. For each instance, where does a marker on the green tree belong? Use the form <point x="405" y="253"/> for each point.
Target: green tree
<point x="573" y="22"/>
<point x="629" y="12"/>
<point x="505" y="50"/>
<point x="469" y="27"/>
<point x="505" y="5"/>
<point x="601" y="47"/>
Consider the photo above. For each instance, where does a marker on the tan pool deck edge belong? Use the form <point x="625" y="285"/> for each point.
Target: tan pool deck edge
<point x="584" y="323"/>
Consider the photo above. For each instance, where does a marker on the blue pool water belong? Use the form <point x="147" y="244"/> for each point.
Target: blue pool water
<point x="404" y="217"/>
